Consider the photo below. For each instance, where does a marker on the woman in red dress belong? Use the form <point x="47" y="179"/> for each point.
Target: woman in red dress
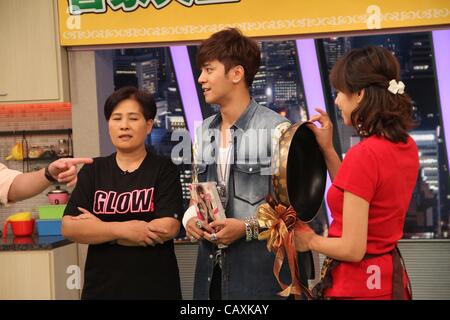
<point x="372" y="187"/>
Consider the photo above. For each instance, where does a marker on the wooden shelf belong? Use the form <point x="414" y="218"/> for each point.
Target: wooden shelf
<point x="28" y="133"/>
<point x="35" y="132"/>
<point x="45" y="159"/>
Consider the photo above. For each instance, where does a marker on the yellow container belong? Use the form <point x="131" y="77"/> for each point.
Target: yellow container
<point x="20" y="216"/>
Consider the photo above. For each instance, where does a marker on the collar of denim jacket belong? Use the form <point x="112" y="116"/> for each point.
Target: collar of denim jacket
<point x="242" y="122"/>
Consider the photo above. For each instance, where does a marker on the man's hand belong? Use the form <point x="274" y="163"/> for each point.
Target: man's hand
<point x="65" y="169"/>
<point x="194" y="232"/>
<point x="231" y="229"/>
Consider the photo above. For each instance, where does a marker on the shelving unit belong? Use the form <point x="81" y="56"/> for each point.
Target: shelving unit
<point x="28" y="133"/>
<point x="35" y="132"/>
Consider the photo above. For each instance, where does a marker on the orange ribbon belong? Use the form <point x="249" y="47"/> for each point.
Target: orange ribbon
<point x="280" y="221"/>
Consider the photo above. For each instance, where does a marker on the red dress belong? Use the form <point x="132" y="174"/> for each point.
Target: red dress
<point x="384" y="174"/>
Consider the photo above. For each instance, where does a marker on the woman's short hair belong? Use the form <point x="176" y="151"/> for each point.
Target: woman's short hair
<point x="144" y="99"/>
<point x="380" y="112"/>
<point x="231" y="48"/>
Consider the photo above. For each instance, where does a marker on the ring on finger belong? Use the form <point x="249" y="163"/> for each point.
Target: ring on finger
<point x="213" y="237"/>
<point x="193" y="239"/>
<point x="198" y="223"/>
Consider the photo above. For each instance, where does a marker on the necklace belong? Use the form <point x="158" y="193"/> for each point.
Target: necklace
<point x="223" y="174"/>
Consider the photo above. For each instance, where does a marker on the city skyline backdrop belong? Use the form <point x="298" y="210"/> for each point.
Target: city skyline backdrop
<point x="278" y="86"/>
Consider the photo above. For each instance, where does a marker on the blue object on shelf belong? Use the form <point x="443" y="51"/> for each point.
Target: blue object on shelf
<point x="49" y="227"/>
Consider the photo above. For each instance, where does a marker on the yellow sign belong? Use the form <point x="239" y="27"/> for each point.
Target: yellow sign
<point x="94" y="22"/>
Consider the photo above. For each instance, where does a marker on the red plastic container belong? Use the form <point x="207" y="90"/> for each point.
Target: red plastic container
<point x="20" y="228"/>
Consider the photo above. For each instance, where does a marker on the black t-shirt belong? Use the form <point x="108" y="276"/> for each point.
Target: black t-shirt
<point x="152" y="191"/>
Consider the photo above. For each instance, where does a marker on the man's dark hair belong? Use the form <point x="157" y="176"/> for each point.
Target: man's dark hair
<point x="231" y="48"/>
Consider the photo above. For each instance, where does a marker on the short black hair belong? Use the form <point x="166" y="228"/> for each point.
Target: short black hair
<point x="145" y="100"/>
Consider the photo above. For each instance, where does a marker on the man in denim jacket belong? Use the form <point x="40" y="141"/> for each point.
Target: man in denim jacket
<point x="233" y="148"/>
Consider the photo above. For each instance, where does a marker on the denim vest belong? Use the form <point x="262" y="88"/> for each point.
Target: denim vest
<point x="247" y="266"/>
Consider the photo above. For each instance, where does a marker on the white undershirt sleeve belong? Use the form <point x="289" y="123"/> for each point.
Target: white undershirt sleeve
<point x="191" y="212"/>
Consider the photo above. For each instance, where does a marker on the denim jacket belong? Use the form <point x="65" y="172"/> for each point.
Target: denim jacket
<point x="247" y="266"/>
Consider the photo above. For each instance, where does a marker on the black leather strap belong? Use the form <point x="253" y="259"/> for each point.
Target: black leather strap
<point x="48" y="176"/>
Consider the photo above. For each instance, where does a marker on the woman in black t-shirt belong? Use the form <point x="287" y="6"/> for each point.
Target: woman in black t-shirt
<point x="127" y="207"/>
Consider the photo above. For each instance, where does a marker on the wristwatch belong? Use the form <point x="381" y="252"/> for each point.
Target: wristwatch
<point x="48" y="176"/>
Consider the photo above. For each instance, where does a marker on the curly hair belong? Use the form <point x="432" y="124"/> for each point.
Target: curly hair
<point x="380" y="112"/>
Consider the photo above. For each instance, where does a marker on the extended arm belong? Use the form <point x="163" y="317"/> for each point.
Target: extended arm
<point x="351" y="246"/>
<point x="324" y="137"/>
<point x="29" y="184"/>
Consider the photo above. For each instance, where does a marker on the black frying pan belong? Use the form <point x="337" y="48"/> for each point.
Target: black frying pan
<point x="301" y="177"/>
